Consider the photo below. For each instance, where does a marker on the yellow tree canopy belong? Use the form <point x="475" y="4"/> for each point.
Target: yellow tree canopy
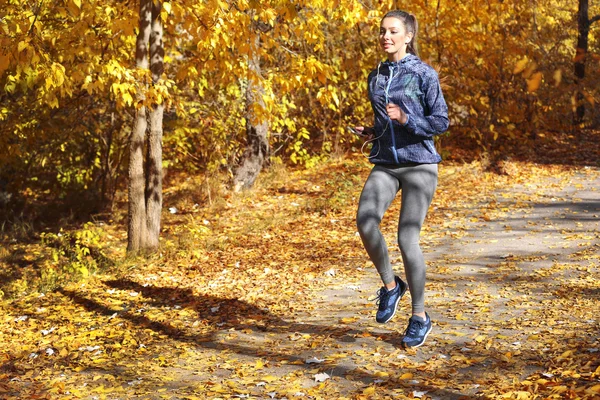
<point x="69" y="81"/>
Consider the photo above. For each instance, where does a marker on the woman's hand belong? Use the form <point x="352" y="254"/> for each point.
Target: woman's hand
<point x="365" y="132"/>
<point x="395" y="113"/>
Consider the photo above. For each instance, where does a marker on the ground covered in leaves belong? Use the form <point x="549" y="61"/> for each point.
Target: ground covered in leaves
<point x="268" y="295"/>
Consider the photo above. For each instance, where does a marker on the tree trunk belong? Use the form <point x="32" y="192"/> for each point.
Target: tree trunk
<point x="154" y="158"/>
<point x="584" y="23"/>
<point x="257" y="147"/>
<point x="136" y="232"/>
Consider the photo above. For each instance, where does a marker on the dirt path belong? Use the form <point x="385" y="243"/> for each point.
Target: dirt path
<point x="500" y="289"/>
<point x="513" y="293"/>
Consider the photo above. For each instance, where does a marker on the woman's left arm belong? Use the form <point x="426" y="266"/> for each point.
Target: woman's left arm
<point x="435" y="118"/>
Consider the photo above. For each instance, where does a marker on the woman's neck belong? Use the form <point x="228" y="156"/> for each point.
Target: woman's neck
<point x="395" y="57"/>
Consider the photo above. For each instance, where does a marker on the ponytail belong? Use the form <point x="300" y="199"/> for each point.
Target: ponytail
<point x="410" y="24"/>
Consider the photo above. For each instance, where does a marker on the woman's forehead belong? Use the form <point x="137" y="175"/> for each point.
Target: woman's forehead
<point x="392" y="22"/>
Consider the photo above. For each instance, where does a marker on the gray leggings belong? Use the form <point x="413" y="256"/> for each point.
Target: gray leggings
<point x="418" y="183"/>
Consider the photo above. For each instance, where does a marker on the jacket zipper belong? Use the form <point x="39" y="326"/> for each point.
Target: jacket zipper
<point x="387" y="100"/>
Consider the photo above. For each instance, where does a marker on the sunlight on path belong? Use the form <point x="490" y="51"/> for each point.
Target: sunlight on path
<point x="513" y="290"/>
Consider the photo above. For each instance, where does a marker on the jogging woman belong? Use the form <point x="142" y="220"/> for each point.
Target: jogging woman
<point x="409" y="110"/>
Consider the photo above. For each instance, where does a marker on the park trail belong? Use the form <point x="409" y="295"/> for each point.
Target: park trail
<point x="513" y="294"/>
<point x="513" y="289"/>
<point x="503" y="288"/>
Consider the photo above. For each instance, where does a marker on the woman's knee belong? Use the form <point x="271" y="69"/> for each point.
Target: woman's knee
<point x="408" y="243"/>
<point x="367" y="222"/>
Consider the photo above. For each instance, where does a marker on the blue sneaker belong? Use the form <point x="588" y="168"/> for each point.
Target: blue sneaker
<point x="388" y="301"/>
<point x="417" y="331"/>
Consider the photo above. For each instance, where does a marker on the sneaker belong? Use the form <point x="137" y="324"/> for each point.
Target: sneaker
<point x="388" y="301"/>
<point x="417" y="331"/>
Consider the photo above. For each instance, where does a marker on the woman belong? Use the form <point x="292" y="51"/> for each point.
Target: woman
<point x="409" y="110"/>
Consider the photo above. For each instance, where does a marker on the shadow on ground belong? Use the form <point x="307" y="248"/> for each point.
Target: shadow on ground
<point x="232" y="314"/>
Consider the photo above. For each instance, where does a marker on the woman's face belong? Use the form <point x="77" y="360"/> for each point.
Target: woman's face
<point x="393" y="37"/>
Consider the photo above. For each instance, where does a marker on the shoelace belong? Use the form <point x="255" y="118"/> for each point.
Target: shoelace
<point x="414" y="327"/>
<point x="382" y="296"/>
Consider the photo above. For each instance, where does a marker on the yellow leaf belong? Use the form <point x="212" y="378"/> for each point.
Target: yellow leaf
<point x="480" y="338"/>
<point x="520" y="65"/>
<point x="519" y="395"/>
<point x="167" y="7"/>
<point x="22" y="46"/>
<point x="406" y="375"/>
<point x="534" y="82"/>
<point x="269" y="378"/>
<point x="566" y="354"/>
<point x="128" y="99"/>
<point x="368" y="391"/>
<point x="460" y="317"/>
<point x="589" y="98"/>
<point x="336" y="99"/>
<point x="559" y="389"/>
<point x="77" y="3"/>
<point x="455" y="333"/>
<point x="595" y="389"/>
<point x="557" y="77"/>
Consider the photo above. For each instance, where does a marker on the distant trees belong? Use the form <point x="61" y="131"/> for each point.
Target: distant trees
<point x="584" y="23"/>
<point x="257" y="142"/>
<point x="240" y="83"/>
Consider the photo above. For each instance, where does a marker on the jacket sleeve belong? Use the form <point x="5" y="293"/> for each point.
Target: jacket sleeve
<point x="435" y="118"/>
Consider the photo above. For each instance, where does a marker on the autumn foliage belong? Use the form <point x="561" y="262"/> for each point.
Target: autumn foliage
<point x="240" y="301"/>
<point x="69" y="81"/>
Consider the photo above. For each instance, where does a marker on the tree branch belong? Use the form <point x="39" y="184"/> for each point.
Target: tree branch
<point x="594" y="19"/>
<point x="37" y="13"/>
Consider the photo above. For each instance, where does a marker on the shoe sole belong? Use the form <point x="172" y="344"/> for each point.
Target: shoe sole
<point x="395" y="306"/>
<point x="422" y="342"/>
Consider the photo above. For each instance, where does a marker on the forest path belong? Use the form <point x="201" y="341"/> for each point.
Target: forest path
<point x="513" y="291"/>
<point x="509" y="286"/>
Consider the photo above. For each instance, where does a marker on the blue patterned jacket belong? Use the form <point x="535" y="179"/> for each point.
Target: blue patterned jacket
<point x="415" y="87"/>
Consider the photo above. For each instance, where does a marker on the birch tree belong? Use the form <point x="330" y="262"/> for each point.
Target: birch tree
<point x="145" y="171"/>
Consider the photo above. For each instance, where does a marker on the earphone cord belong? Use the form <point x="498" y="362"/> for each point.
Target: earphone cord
<point x="387" y="124"/>
<point x="372" y="140"/>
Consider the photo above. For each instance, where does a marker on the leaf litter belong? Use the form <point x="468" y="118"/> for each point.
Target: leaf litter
<point x="271" y="300"/>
